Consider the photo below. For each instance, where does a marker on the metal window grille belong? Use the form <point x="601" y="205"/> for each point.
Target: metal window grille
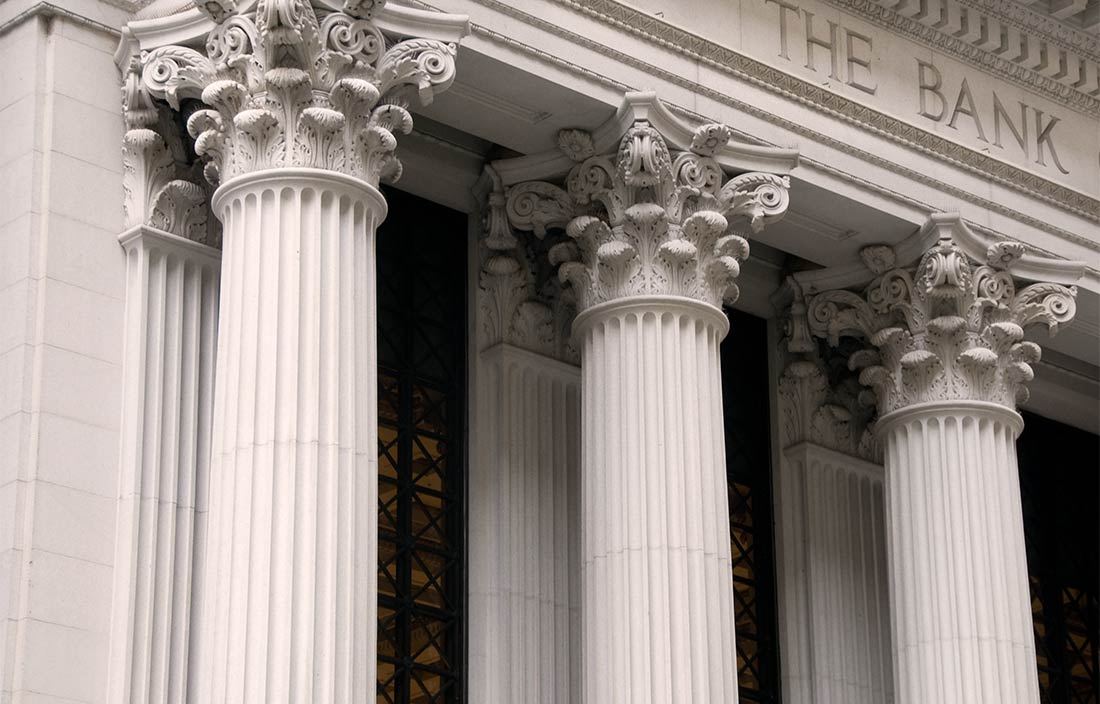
<point x="1060" y="527"/>
<point x="748" y="468"/>
<point x="421" y="425"/>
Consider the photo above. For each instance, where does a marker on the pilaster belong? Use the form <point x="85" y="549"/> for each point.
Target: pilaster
<point x="948" y="361"/>
<point x="652" y="253"/>
<point x="830" y="526"/>
<point x="524" y="499"/>
<point x="168" y="391"/>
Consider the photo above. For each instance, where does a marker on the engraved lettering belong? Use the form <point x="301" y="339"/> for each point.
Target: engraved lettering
<point x="829" y="44"/>
<point x="855" y="62"/>
<point x="928" y="88"/>
<point x="999" y="113"/>
<point x="1046" y="137"/>
<point x="968" y="109"/>
<point x="784" y="7"/>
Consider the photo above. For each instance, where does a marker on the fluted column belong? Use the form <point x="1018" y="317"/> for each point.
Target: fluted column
<point x="168" y="391"/>
<point x="291" y="586"/>
<point x="301" y="108"/>
<point x="650" y="267"/>
<point x="658" y="582"/>
<point x="831" y="534"/>
<point x="948" y="363"/>
<point x="958" y="561"/>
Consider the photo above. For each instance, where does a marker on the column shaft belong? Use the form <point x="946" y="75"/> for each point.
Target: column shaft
<point x="833" y="578"/>
<point x="962" y="612"/>
<point x="524" y="532"/>
<point x="658" y="587"/>
<point x="293" y="527"/>
<point x="171" y="326"/>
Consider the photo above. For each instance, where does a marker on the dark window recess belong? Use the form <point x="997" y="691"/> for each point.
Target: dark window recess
<point x="421" y="425"/>
<point x="748" y="468"/>
<point x="1059" y="484"/>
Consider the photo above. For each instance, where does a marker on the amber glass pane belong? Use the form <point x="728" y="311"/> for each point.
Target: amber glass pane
<point x="421" y="347"/>
<point x="745" y="402"/>
<point x="1061" y="527"/>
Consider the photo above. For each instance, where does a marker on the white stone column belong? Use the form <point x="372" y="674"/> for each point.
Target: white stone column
<point x="650" y="269"/>
<point x="524" y="494"/>
<point x="831" y="549"/>
<point x="168" y="392"/>
<point x="293" y="527"/>
<point x="302" y="108"/>
<point x="957" y="555"/>
<point x="658" y="581"/>
<point x="948" y="362"/>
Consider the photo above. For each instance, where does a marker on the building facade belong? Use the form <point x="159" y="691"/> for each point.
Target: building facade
<point x="549" y="351"/>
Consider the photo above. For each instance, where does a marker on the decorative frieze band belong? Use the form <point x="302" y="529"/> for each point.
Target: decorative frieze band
<point x="730" y="61"/>
<point x="952" y="328"/>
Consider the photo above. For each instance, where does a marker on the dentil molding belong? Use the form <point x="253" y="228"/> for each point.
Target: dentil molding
<point x="950" y="329"/>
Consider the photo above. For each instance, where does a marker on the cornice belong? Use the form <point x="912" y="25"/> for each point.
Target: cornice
<point x="1085" y="206"/>
<point x="987" y="61"/>
<point x="1037" y="24"/>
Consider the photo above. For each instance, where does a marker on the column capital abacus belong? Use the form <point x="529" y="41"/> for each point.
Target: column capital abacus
<point x="648" y="220"/>
<point x="294" y="83"/>
<point x="951" y="328"/>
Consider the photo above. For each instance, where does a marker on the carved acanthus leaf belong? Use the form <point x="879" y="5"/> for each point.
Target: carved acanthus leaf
<point x="513" y="307"/>
<point x="159" y="190"/>
<point x="949" y="330"/>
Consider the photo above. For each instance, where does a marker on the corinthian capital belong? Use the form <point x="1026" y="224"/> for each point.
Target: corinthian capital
<point x="648" y="219"/>
<point x="952" y="328"/>
<point x="292" y="83"/>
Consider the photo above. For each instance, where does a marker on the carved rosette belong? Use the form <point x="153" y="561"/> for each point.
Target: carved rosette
<point x="647" y="220"/>
<point x="950" y="330"/>
<point x="292" y="84"/>
<point x="519" y="305"/>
